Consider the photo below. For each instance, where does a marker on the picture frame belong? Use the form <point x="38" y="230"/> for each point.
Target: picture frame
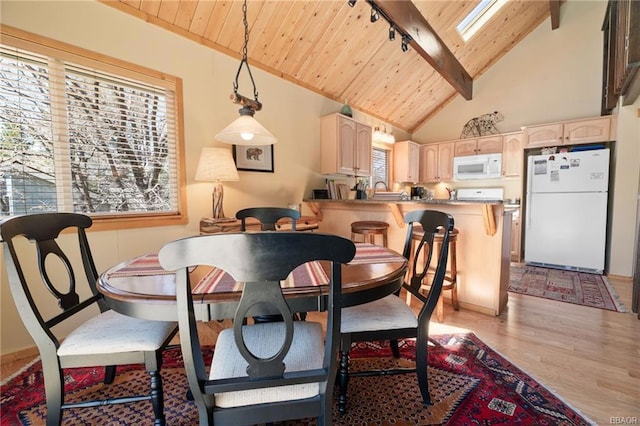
<point x="253" y="158"/>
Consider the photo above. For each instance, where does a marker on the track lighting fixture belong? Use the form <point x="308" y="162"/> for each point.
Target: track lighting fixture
<point x="374" y="15"/>
<point x="377" y="13"/>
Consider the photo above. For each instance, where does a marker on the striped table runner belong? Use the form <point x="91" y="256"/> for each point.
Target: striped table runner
<point x="307" y="275"/>
<point x="147" y="264"/>
<point x="370" y="253"/>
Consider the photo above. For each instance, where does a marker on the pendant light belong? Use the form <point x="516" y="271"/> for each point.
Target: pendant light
<point x="246" y="130"/>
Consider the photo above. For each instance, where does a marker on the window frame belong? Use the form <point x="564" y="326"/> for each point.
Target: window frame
<point x="39" y="44"/>
<point x="389" y="149"/>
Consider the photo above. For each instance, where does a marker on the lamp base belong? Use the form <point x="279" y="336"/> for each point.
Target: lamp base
<point x="212" y="220"/>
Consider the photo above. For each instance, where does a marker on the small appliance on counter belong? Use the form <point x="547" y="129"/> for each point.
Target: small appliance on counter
<point x="484" y="194"/>
<point x="417" y="192"/>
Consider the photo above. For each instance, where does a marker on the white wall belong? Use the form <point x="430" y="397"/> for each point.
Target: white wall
<point x="553" y="76"/>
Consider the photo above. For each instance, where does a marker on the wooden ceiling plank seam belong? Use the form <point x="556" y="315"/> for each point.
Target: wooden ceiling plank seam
<point x="152" y="7"/>
<point x="427" y="42"/>
<point x="185" y="13"/>
<point x="353" y="58"/>
<point x="168" y="10"/>
<point x="290" y="41"/>
<point x="274" y="37"/>
<point x="232" y="28"/>
<point x="333" y="37"/>
<point x="132" y="3"/>
<point x="307" y="42"/>
<point x="201" y="17"/>
<point x="217" y="20"/>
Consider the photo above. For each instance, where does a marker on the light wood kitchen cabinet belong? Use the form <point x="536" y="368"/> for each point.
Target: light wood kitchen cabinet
<point x="345" y="146"/>
<point x="406" y="161"/>
<point x="436" y="162"/>
<point x="569" y="132"/>
<point x="476" y="146"/>
<point x="512" y="154"/>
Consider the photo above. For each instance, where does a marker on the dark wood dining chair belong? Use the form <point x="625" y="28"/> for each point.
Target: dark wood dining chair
<point x="264" y="372"/>
<point x="390" y="318"/>
<point x="268" y="217"/>
<point x="44" y="277"/>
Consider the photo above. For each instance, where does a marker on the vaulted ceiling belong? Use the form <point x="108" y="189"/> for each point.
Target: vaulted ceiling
<point x="335" y="50"/>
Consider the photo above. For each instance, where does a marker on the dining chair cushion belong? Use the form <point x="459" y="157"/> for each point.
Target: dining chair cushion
<point x="388" y="313"/>
<point x="111" y="332"/>
<point x="306" y="353"/>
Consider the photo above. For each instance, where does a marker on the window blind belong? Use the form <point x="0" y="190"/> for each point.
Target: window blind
<point x="79" y="138"/>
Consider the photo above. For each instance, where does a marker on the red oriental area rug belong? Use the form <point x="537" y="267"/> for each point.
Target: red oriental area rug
<point x="470" y="384"/>
<point x="579" y="288"/>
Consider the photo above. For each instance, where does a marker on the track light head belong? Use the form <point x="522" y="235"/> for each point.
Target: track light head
<point x="352" y="2"/>
<point x="405" y="44"/>
<point x="392" y="33"/>
<point x="374" y="15"/>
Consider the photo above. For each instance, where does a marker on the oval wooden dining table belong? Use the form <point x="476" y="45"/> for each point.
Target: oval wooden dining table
<point x="141" y="288"/>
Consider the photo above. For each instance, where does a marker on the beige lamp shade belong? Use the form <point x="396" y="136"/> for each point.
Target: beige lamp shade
<point x="245" y="130"/>
<point x="217" y="165"/>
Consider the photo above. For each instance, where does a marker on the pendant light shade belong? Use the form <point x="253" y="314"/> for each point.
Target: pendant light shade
<point x="245" y="130"/>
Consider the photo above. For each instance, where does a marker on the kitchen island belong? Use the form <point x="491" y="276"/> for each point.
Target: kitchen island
<point x="484" y="243"/>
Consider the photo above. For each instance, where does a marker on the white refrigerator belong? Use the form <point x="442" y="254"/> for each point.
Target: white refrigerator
<point x="566" y="210"/>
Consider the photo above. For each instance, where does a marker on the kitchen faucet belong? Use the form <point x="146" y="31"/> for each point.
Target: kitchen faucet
<point x="375" y="186"/>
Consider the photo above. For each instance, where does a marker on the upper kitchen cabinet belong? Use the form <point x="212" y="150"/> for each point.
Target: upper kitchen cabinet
<point x="512" y="155"/>
<point x="436" y="162"/>
<point x="406" y="162"/>
<point x="345" y="146"/>
<point x="483" y="145"/>
<point x="597" y="129"/>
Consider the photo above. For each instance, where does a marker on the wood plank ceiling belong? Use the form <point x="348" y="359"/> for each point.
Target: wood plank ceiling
<point x="333" y="49"/>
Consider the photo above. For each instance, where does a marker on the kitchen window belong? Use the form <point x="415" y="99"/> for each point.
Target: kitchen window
<point x="381" y="161"/>
<point x="83" y="133"/>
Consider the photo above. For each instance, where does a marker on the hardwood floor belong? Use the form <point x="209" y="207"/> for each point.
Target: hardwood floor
<point x="589" y="357"/>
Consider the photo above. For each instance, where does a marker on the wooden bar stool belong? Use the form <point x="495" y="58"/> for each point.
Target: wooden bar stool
<point x="369" y="229"/>
<point x="451" y="280"/>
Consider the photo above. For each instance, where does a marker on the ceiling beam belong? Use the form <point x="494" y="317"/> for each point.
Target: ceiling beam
<point x="427" y="43"/>
<point x="554" y="12"/>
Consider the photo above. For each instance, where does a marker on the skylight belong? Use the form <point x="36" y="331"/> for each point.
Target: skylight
<point x="478" y="17"/>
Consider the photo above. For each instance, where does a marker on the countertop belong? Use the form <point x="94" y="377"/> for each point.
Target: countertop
<point x="392" y="201"/>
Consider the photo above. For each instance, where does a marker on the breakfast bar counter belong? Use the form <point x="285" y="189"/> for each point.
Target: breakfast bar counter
<point x="484" y="242"/>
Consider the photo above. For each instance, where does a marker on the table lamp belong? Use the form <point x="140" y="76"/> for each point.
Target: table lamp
<point x="217" y="165"/>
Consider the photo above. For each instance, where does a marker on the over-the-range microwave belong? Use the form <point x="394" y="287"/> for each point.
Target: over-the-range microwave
<point x="484" y="166"/>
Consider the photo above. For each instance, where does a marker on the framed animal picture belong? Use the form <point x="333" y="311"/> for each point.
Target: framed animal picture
<point x="253" y="158"/>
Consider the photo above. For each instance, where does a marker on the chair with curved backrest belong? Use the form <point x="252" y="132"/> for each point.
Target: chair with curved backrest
<point x="390" y="318"/>
<point x="268" y="217"/>
<point x="43" y="277"/>
<point x="263" y="372"/>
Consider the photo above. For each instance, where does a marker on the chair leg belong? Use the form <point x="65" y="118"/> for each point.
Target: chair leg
<point x="54" y="392"/>
<point x="440" y="309"/>
<point x="343" y="380"/>
<point x="422" y="353"/>
<point x="109" y="374"/>
<point x="157" y="398"/>
<point x="395" y="350"/>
